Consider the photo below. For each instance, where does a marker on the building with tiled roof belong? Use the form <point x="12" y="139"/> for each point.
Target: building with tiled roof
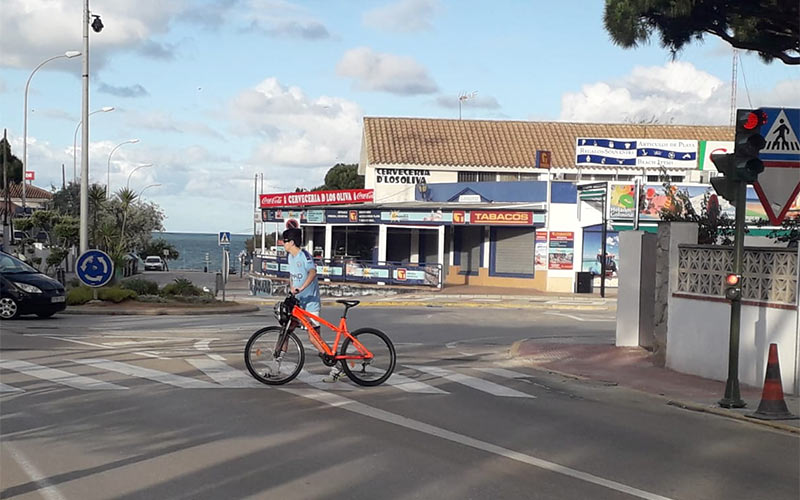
<point x="35" y="197"/>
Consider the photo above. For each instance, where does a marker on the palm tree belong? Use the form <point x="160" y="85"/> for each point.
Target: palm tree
<point x="97" y="197"/>
<point x="126" y="197"/>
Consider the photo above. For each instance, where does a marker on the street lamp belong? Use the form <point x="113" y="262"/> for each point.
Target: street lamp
<point x="128" y="184"/>
<point x="139" y="196"/>
<point x="104" y="109"/>
<point x="69" y="55"/>
<point x="108" y="180"/>
<point x="462" y="98"/>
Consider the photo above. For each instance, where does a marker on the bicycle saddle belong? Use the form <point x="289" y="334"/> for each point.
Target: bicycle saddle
<point x="349" y="303"/>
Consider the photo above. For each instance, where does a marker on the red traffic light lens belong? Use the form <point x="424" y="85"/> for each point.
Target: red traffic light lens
<point x="732" y="279"/>
<point x="753" y="121"/>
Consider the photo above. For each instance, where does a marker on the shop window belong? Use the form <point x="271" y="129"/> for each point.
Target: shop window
<point x="514" y="250"/>
<point x="468" y="177"/>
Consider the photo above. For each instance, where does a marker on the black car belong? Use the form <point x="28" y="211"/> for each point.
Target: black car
<point x="24" y="290"/>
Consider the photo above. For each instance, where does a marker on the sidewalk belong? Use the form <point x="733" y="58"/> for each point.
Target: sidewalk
<point x="632" y="368"/>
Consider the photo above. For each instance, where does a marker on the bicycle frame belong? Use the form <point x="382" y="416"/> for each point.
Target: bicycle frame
<point x="305" y="317"/>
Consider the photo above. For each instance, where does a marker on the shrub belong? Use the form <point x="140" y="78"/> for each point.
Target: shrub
<point x="156" y="299"/>
<point x="73" y="283"/>
<point x="115" y="294"/>
<point x="196" y="299"/>
<point x="79" y="295"/>
<point x="141" y="286"/>
<point x="181" y="287"/>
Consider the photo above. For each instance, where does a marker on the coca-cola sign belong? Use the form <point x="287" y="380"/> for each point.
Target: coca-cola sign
<point x="339" y="197"/>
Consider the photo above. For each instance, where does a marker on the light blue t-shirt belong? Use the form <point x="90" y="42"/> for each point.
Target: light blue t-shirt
<point x="299" y="267"/>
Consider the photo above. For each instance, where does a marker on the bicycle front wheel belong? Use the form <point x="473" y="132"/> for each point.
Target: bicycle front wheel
<point x="374" y="371"/>
<point x="268" y="361"/>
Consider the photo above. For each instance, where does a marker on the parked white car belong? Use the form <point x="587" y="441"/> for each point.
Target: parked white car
<point x="154" y="263"/>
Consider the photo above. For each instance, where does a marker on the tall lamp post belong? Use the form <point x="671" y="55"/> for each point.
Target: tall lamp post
<point x="108" y="179"/>
<point x="69" y="55"/>
<point x="104" y="109"/>
<point x="139" y="196"/>
<point x="128" y="184"/>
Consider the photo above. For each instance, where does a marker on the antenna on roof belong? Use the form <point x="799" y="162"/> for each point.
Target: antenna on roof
<point x="463" y="97"/>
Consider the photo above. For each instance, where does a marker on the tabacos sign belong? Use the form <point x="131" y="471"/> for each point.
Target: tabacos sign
<point x="501" y="217"/>
<point x="343" y="196"/>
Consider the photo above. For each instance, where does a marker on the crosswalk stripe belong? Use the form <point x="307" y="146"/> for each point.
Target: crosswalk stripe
<point x="58" y="376"/>
<point x="224" y="374"/>
<point x="410" y="385"/>
<point x="474" y="382"/>
<point x="502" y="372"/>
<point x="8" y="388"/>
<point x="316" y="381"/>
<point x="148" y="373"/>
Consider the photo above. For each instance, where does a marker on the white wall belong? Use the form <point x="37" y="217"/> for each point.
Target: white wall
<point x="698" y="333"/>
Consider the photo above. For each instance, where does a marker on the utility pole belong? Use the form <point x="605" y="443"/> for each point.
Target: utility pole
<point x="7" y="201"/>
<point x="84" y="214"/>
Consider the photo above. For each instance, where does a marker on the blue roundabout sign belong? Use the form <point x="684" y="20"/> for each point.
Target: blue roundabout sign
<point x="94" y="268"/>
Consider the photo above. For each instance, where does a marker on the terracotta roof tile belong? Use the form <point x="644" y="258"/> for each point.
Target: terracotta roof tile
<point x="31" y="192"/>
<point x="430" y="141"/>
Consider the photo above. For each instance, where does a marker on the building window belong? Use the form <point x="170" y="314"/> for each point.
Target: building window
<point x="507" y="177"/>
<point x="467" y="176"/>
<point x="487" y="177"/>
<point x="529" y="177"/>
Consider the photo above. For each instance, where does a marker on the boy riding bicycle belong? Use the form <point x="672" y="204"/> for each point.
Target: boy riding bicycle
<point x="304" y="285"/>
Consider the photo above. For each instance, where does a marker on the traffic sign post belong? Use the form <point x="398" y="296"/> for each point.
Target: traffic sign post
<point x="94" y="268"/>
<point x="779" y="184"/>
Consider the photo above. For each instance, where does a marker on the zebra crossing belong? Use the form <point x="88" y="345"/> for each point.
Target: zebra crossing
<point x="212" y="372"/>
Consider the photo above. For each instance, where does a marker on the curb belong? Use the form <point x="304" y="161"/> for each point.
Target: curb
<point x="485" y="305"/>
<point x="241" y="308"/>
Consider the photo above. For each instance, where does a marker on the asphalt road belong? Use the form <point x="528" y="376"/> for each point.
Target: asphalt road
<point x="162" y="407"/>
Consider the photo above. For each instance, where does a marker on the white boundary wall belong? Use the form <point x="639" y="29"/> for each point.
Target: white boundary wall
<point x="698" y="341"/>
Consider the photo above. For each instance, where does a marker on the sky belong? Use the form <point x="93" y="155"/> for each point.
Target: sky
<point x="219" y="91"/>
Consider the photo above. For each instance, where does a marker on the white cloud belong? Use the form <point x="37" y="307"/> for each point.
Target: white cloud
<point x="296" y="133"/>
<point x="377" y="71"/>
<point x="675" y="93"/>
<point x="57" y="28"/>
<point x="283" y="19"/>
<point x="403" y="16"/>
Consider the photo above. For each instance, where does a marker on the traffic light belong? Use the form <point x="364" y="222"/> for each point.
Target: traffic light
<point x="733" y="287"/>
<point x="727" y="184"/>
<point x="748" y="142"/>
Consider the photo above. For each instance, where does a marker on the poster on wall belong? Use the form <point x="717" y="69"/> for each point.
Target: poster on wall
<point x="593" y="253"/>
<point x="540" y="253"/>
<point x="562" y="251"/>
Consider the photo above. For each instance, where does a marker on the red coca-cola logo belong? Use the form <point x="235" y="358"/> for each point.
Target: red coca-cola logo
<point x="271" y="200"/>
<point x="365" y="195"/>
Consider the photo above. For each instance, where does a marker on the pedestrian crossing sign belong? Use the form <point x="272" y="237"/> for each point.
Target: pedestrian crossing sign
<point x="778" y="186"/>
<point x="224" y="238"/>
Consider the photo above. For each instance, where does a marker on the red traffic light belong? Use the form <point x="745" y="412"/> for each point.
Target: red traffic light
<point x="732" y="279"/>
<point x="752" y="122"/>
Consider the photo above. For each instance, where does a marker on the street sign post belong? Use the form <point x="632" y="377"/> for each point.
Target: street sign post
<point x="224" y="238"/>
<point x="94" y="268"/>
<point x="779" y="184"/>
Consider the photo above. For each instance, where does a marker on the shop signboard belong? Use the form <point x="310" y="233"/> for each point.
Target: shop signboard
<point x="562" y="251"/>
<point x="430" y="217"/>
<point x="501" y="218"/>
<point x="636" y="153"/>
<point x="541" y="250"/>
<point x="338" y="197"/>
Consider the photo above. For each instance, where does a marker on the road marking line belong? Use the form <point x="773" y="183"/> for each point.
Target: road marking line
<point x="474" y="382"/>
<point x="216" y="357"/>
<point x="58" y="376"/>
<point x="150" y="355"/>
<point x="8" y="388"/>
<point x="350" y="405"/>
<point x="316" y="381"/>
<point x="410" y="385"/>
<point x="148" y="373"/>
<point x="578" y="318"/>
<point x="203" y="345"/>
<point x="79" y="342"/>
<point x="224" y="374"/>
<point x="44" y="488"/>
<point x="502" y="372"/>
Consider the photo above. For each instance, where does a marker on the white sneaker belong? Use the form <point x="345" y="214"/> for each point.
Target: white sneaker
<point x="273" y="367"/>
<point x="334" y="375"/>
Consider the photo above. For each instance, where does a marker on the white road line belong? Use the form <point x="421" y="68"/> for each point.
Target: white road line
<point x="148" y="373"/>
<point x="45" y="489"/>
<point x="149" y="354"/>
<point x="216" y="357"/>
<point x="203" y="345"/>
<point x="350" y="405"/>
<point x="79" y="342"/>
<point x="410" y="385"/>
<point x="502" y="372"/>
<point x="58" y="376"/>
<point x="316" y="381"/>
<point x="474" y="382"/>
<point x="8" y="388"/>
<point x="578" y="318"/>
<point x="224" y="374"/>
<point x="122" y="343"/>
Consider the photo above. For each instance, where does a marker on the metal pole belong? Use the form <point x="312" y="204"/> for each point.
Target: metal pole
<point x="603" y="247"/>
<point x="255" y="207"/>
<point x="637" y="195"/>
<point x="733" y="397"/>
<point x="84" y="215"/>
<point x="6" y="206"/>
<point x="63" y="177"/>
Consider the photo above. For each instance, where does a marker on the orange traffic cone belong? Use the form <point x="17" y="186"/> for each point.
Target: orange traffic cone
<point x="773" y="406"/>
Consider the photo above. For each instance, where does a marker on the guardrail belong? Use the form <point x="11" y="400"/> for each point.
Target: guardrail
<point x="387" y="273"/>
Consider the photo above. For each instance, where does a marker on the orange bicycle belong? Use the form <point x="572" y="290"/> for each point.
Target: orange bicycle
<point x="274" y="355"/>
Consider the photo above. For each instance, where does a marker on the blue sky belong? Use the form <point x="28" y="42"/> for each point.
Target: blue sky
<point x="218" y="91"/>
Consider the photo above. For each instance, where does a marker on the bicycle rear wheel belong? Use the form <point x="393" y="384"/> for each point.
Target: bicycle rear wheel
<point x="262" y="361"/>
<point x="369" y="372"/>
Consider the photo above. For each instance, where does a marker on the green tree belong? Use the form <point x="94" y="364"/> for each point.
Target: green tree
<point x="14" y="163"/>
<point x="342" y="176"/>
<point x="768" y="27"/>
<point x="157" y="247"/>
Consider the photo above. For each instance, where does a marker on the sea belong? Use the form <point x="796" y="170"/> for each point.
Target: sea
<point x="194" y="247"/>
